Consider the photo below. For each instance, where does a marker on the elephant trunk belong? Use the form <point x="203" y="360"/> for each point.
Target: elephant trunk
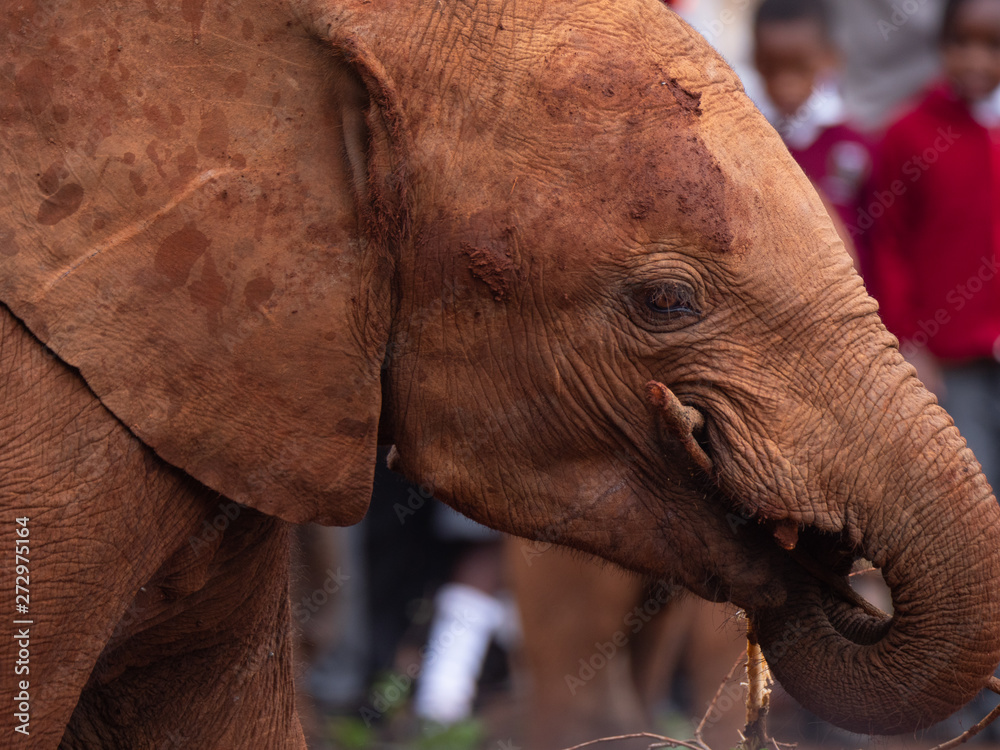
<point x="936" y="543"/>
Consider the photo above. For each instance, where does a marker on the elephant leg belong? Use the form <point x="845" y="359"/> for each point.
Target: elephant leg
<point x="96" y="528"/>
<point x="577" y="616"/>
<point x="102" y="515"/>
<point x="205" y="653"/>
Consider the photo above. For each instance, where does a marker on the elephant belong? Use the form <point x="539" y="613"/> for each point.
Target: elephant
<point x="600" y="649"/>
<point x="548" y="250"/>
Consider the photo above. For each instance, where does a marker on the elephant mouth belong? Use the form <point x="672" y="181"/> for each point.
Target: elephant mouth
<point x="933" y="538"/>
<point x="827" y="563"/>
<point x="865" y="670"/>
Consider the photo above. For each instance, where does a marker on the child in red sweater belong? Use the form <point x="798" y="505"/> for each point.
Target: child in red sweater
<point x="935" y="241"/>
<point x="935" y="231"/>
<point x="798" y="65"/>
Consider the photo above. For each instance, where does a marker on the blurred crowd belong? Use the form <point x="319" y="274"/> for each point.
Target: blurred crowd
<point x="418" y="626"/>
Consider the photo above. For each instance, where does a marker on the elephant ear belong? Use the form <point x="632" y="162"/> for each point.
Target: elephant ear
<point x="192" y="217"/>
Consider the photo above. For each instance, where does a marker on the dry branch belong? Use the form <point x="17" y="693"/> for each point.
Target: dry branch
<point x="759" y="696"/>
<point x="755" y="734"/>
<point x="662" y="741"/>
<point x="698" y="738"/>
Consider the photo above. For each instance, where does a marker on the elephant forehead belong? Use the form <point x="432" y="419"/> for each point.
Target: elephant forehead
<point x="630" y="179"/>
<point x="603" y="155"/>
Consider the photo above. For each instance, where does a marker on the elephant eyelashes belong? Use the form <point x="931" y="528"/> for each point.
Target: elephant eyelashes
<point x="668" y="303"/>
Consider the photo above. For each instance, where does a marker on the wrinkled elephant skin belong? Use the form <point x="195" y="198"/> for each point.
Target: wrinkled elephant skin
<point x="550" y="250"/>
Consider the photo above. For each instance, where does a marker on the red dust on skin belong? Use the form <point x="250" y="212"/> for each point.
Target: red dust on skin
<point x="33" y="84"/>
<point x="62" y="205"/>
<point x="187" y="163"/>
<point x="178" y="252"/>
<point x="491" y="267"/>
<point x="155" y="158"/>
<point x="193" y="11"/>
<point x="257" y="292"/>
<point x="213" y="138"/>
<point x="109" y="89"/>
<point x="138" y="184"/>
<point x="211" y="293"/>
<point x="176" y="115"/>
<point x="236" y="84"/>
<point x="8" y="245"/>
<point x="50" y="180"/>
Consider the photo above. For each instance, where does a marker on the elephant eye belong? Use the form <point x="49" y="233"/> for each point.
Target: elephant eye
<point x="670" y="300"/>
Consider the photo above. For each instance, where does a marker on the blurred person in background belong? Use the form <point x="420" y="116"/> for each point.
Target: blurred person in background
<point x="889" y="49"/>
<point x="434" y="579"/>
<point x="935" y="231"/>
<point x="799" y="67"/>
<point x="725" y="24"/>
<point x="468" y="615"/>
<point x="890" y="52"/>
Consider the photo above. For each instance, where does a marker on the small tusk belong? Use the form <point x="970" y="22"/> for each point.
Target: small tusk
<point x="786" y="533"/>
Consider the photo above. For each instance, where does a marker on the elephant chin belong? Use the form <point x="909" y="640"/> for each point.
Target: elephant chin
<point x="872" y="673"/>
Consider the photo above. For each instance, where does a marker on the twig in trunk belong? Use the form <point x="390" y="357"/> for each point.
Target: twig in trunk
<point x="839" y="585"/>
<point x="759" y="696"/>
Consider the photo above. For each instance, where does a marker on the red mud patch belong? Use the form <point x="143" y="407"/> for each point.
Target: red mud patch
<point x="61" y="205"/>
<point x="178" y="252"/>
<point x="213" y="138"/>
<point x="689" y="102"/>
<point x="193" y="11"/>
<point x="33" y="84"/>
<point x="8" y="245"/>
<point x="257" y="292"/>
<point x="490" y="267"/>
<point x="211" y="293"/>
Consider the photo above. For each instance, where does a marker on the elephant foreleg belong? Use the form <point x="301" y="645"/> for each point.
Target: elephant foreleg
<point x="203" y="657"/>
<point x="117" y="572"/>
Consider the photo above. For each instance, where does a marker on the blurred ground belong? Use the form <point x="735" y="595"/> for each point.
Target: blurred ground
<point x="500" y="720"/>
